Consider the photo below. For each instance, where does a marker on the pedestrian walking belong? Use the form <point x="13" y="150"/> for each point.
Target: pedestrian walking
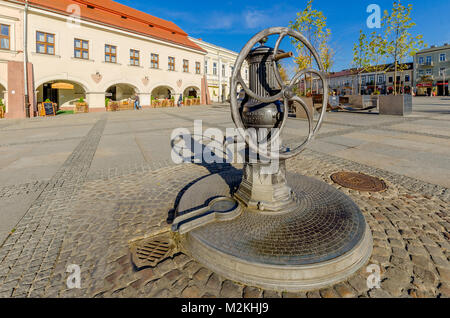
<point x="137" y="102"/>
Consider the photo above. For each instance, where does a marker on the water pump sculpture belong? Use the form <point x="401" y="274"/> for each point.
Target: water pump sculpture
<point x="276" y="230"/>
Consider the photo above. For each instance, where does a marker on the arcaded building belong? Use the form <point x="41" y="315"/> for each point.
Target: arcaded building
<point x="92" y="50"/>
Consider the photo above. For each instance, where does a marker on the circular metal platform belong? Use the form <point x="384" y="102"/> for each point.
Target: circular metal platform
<point x="321" y="242"/>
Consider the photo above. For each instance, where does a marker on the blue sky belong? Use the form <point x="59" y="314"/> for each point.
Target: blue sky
<point x="231" y="23"/>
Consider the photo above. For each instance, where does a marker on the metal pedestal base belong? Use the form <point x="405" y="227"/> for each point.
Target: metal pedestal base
<point x="323" y="241"/>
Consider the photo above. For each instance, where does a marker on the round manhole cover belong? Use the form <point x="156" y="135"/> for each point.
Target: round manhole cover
<point x="358" y="181"/>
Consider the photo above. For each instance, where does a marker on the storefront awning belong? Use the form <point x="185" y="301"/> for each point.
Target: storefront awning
<point x="62" y="86"/>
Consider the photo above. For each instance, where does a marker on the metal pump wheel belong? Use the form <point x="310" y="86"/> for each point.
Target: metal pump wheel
<point x="286" y="93"/>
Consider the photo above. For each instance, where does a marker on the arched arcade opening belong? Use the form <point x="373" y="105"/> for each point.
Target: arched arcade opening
<point x="2" y="101"/>
<point x="162" y="92"/>
<point x="62" y="92"/>
<point x="2" y="93"/>
<point x="191" y="91"/>
<point x="120" y="92"/>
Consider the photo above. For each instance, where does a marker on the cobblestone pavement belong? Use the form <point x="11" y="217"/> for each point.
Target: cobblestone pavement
<point x="410" y="233"/>
<point x="29" y="254"/>
<point x="87" y="217"/>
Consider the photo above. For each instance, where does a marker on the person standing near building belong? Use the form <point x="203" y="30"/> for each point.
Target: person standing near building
<point x="137" y="102"/>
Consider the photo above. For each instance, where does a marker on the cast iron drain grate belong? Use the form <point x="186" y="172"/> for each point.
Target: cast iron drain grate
<point x="148" y="252"/>
<point x="358" y="181"/>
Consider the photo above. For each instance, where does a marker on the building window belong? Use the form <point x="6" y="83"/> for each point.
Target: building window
<point x="81" y="49"/>
<point x="441" y="71"/>
<point x="171" y="63"/>
<point x="206" y="67"/>
<point x="155" y="61"/>
<point x="363" y="80"/>
<point x="214" y="68"/>
<point x="45" y="43"/>
<point x="421" y="60"/>
<point x="406" y="78"/>
<point x="197" y="67"/>
<point x="5" y="37"/>
<point x="372" y="79"/>
<point x="380" y="79"/>
<point x="134" y="57"/>
<point x="223" y="70"/>
<point x="420" y="72"/>
<point x="186" y="66"/>
<point x="428" y="60"/>
<point x="428" y="71"/>
<point x="442" y="57"/>
<point x="391" y="79"/>
<point x="110" y="53"/>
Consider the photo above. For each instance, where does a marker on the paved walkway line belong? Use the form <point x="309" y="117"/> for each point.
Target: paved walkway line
<point x="34" y="246"/>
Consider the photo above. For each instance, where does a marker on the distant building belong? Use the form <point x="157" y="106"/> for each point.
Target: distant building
<point x="112" y="52"/>
<point x="346" y="82"/>
<point x="432" y="70"/>
<point x="219" y="63"/>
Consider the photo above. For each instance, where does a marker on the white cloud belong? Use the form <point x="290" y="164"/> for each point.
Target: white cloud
<point x="220" y="21"/>
<point x="255" y="19"/>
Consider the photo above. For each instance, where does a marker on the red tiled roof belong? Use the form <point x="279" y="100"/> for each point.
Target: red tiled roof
<point x="342" y="73"/>
<point x="118" y="15"/>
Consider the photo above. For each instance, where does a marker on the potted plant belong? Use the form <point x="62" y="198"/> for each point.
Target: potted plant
<point x="2" y="109"/>
<point x="395" y="104"/>
<point x="308" y="93"/>
<point x="81" y="106"/>
<point x="152" y="103"/>
<point x="113" y="106"/>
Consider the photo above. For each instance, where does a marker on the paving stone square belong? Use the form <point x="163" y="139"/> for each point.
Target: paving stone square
<point x="77" y="189"/>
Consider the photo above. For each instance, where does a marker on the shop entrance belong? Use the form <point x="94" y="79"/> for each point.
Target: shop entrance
<point x="442" y="89"/>
<point x="62" y="92"/>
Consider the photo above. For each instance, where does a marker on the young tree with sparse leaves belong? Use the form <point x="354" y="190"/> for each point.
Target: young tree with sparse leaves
<point x="361" y="57"/>
<point x="283" y="73"/>
<point x="313" y="25"/>
<point x="377" y="50"/>
<point x="400" y="44"/>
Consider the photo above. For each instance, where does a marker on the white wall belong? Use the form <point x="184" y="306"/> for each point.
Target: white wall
<point x="12" y="15"/>
<point x="63" y="65"/>
<point x="221" y="56"/>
